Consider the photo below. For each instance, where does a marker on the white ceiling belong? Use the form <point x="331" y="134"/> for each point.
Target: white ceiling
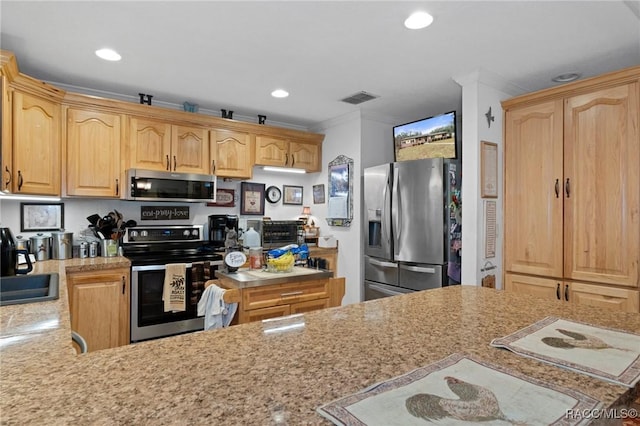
<point x="232" y="54"/>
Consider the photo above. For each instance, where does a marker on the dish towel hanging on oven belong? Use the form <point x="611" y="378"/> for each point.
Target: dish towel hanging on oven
<point x="174" y="291"/>
<point x="217" y="313"/>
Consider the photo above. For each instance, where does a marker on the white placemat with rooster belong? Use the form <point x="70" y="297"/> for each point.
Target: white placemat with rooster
<point x="460" y="389"/>
<point x="608" y="354"/>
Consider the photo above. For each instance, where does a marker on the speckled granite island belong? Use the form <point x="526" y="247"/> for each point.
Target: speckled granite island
<point x="249" y="373"/>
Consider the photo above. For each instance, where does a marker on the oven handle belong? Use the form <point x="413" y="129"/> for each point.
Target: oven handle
<point x="152" y="267"/>
<point x="163" y="267"/>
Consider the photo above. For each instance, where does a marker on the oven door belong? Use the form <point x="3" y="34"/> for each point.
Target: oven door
<point x="148" y="318"/>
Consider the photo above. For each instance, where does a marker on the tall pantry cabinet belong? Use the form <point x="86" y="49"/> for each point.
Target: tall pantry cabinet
<point x="572" y="192"/>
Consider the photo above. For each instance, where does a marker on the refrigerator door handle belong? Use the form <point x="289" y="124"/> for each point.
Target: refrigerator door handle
<point x="385" y="195"/>
<point x="383" y="264"/>
<point x="384" y="290"/>
<point x="419" y="269"/>
<point x="395" y="210"/>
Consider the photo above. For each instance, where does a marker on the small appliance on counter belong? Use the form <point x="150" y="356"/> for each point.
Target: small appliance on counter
<point x="218" y="226"/>
<point x="9" y="255"/>
<point x="61" y="245"/>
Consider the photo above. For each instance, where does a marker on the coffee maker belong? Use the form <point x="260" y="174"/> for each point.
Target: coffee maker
<point x="9" y="255"/>
<point x="218" y="225"/>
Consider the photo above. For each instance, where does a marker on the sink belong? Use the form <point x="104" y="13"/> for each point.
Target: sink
<point x="28" y="288"/>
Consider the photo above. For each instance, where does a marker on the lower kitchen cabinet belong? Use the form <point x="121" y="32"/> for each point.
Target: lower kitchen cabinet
<point x="611" y="298"/>
<point x="277" y="300"/>
<point x="99" y="307"/>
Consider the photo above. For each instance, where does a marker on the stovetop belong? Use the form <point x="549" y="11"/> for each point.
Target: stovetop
<point x="156" y="245"/>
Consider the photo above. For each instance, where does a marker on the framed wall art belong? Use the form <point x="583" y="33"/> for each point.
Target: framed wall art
<point x="252" y="198"/>
<point x="41" y="217"/>
<point x="488" y="169"/>
<point x="292" y="194"/>
<point x="318" y="194"/>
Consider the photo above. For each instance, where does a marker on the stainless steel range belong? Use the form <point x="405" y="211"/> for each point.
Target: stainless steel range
<point x="150" y="249"/>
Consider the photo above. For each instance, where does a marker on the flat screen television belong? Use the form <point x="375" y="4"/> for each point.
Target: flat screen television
<point x="432" y="137"/>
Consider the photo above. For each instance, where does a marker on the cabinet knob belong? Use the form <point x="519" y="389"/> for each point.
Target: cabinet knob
<point x="20" y="180"/>
<point x="293" y="160"/>
<point x="557" y="188"/>
<point x="168" y="165"/>
<point x="117" y="187"/>
<point x="286" y="159"/>
<point x="567" y="188"/>
<point x="558" y="291"/>
<point x="175" y="163"/>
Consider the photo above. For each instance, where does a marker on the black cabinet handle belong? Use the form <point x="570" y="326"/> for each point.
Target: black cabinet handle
<point x="20" y="180"/>
<point x="286" y="159"/>
<point x="175" y="163"/>
<point x="124" y="285"/>
<point x="558" y="291"/>
<point x="117" y="187"/>
<point x="168" y="165"/>
<point x="567" y="188"/>
<point x="566" y="292"/>
<point x="293" y="160"/>
<point x="8" y="181"/>
<point x="213" y="166"/>
<point x="557" y="188"/>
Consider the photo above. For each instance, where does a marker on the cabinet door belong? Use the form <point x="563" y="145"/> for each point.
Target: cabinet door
<point x="6" y="155"/>
<point x="190" y="150"/>
<point x="231" y="154"/>
<point x="99" y="306"/>
<point x="93" y="153"/>
<point x="535" y="286"/>
<point x="312" y="305"/>
<point x="613" y="299"/>
<point x="305" y="156"/>
<point x="272" y="151"/>
<point x="149" y="145"/>
<point x="36" y="145"/>
<point x="533" y="190"/>
<point x="264" y="313"/>
<point x="602" y="200"/>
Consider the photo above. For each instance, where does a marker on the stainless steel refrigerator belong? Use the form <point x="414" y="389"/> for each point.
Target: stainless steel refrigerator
<point x="409" y="226"/>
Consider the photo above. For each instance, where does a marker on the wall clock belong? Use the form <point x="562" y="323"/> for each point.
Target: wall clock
<point x="273" y="194"/>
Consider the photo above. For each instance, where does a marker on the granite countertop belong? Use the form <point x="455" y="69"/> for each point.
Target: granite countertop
<point x="248" y="374"/>
<point x="245" y="278"/>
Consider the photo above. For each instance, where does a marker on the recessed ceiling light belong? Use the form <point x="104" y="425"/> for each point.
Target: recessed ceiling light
<point x="567" y="77"/>
<point x="279" y="93"/>
<point x="108" y="54"/>
<point x="418" y="20"/>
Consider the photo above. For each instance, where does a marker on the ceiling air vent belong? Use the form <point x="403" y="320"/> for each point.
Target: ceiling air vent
<point x="358" y="98"/>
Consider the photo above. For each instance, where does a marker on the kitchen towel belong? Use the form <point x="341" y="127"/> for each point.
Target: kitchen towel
<point x="217" y="313"/>
<point x="460" y="389"/>
<point x="174" y="291"/>
<point x="608" y="354"/>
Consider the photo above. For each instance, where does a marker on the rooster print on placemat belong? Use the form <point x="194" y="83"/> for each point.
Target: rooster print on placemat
<point x="475" y="404"/>
<point x="577" y="340"/>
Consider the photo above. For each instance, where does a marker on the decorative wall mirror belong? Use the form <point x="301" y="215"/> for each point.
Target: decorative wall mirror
<point x="340" y="193"/>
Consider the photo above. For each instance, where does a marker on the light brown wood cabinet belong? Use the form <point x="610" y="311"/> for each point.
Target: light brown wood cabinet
<point x="93" y="153"/>
<point x="158" y="145"/>
<point x="607" y="297"/>
<point x="273" y="151"/>
<point x="36" y="146"/>
<point x="99" y="307"/>
<point x="572" y="191"/>
<point x="231" y="153"/>
<point x="272" y="301"/>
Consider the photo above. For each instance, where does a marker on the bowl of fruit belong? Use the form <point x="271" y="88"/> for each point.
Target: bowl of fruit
<point x="282" y="263"/>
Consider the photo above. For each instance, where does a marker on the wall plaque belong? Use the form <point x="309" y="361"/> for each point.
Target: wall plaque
<point x="164" y="212"/>
<point x="224" y="198"/>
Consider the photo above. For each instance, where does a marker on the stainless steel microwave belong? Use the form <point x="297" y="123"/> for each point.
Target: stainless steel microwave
<point x="151" y="185"/>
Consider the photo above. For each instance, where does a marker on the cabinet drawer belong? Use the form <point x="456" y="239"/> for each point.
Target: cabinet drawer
<point x="264" y="313"/>
<point x="281" y="294"/>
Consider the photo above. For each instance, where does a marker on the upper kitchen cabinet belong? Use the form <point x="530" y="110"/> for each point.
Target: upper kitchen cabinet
<point x="158" y="145"/>
<point x="35" y="167"/>
<point x="572" y="184"/>
<point x="93" y="153"/>
<point x="231" y="153"/>
<point x="280" y="152"/>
